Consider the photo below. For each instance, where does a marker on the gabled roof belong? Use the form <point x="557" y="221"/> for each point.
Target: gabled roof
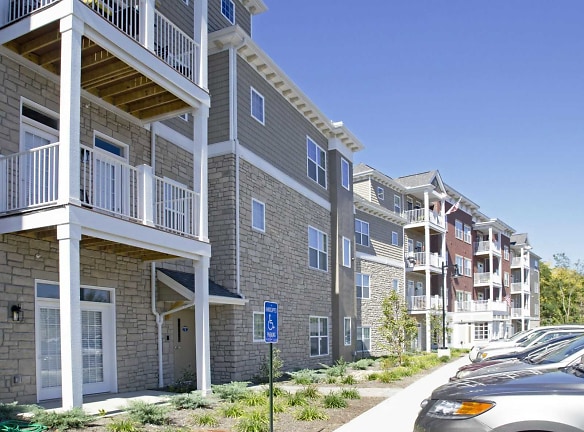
<point x="423" y="180"/>
<point x="519" y="239"/>
<point x="363" y="171"/>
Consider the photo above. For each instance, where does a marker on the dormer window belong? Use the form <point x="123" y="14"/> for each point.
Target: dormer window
<point x="380" y="193"/>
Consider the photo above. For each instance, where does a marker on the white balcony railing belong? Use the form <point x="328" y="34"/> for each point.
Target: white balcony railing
<point x="415" y="259"/>
<point x="519" y="312"/>
<point x="518" y="262"/>
<point x="423" y="215"/>
<point x="417" y="302"/>
<point x="28" y="180"/>
<point x="170" y="43"/>
<point x="487" y="278"/>
<point x="519" y="287"/>
<point x="481" y="306"/>
<point x="487" y="246"/>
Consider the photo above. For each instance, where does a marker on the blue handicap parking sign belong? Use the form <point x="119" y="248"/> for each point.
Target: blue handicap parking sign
<point x="270" y="322"/>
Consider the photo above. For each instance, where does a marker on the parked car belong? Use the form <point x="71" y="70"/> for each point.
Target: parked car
<point x="527" y="400"/>
<point x="517" y="338"/>
<point x="535" y="338"/>
<point x="520" y="355"/>
<point x="567" y="353"/>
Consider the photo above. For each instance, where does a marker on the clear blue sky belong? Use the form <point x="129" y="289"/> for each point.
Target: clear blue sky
<point x="490" y="93"/>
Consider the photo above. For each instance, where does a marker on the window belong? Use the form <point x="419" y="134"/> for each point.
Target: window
<point x="347" y="331"/>
<point x="184" y="116"/>
<point x="345" y="174"/>
<point x="258" y="327"/>
<point x="460" y="263"/>
<point x="362" y="283"/>
<point x="317" y="249"/>
<point x="419" y="246"/>
<point x="316" y="162"/>
<point x="380" y="193"/>
<point x="467" y="267"/>
<point x="258" y="215"/>
<point x="257" y="106"/>
<point x="318" y="336"/>
<point x="458" y="229"/>
<point x="397" y="203"/>
<point x="506" y="279"/>
<point x="506" y="252"/>
<point x="481" y="331"/>
<point x="228" y="10"/>
<point x="346" y="252"/>
<point x="363" y="338"/>
<point x="467" y="234"/>
<point x="361" y="232"/>
<point x="410" y="245"/>
<point x="410" y="204"/>
<point x="419" y="288"/>
<point x="394" y="239"/>
<point x="418" y="205"/>
<point x="395" y="284"/>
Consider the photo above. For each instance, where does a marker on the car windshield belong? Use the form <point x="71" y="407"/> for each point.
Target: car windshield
<point x="562" y="352"/>
<point x="518" y="335"/>
<point x="530" y="338"/>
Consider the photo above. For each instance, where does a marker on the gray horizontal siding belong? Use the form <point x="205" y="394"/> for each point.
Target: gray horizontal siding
<point x="216" y="20"/>
<point x="219" y="90"/>
<point x="180" y="14"/>
<point x="380" y="237"/>
<point x="183" y="127"/>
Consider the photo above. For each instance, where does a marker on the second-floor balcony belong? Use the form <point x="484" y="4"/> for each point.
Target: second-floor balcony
<point x="419" y="261"/>
<point x="520" y="312"/>
<point x="420" y="303"/>
<point x="481" y="306"/>
<point x="29" y="181"/>
<point x="518" y="262"/>
<point x="124" y="48"/>
<point x="421" y="217"/>
<point x="519" y="287"/>
<point x="486" y="247"/>
<point x="487" y="278"/>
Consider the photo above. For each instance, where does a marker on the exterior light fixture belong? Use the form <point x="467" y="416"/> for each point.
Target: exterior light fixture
<point x="17" y="314"/>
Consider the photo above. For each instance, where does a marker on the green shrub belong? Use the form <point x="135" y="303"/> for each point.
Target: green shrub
<point x="10" y="411"/>
<point x="334" y="400"/>
<point x="233" y="411"/>
<point x="330" y="379"/>
<point x="304" y="377"/>
<point x="122" y="425"/>
<point x="362" y="364"/>
<point x="279" y="406"/>
<point x="350" y="393"/>
<point x="206" y="419"/>
<point x="278" y="391"/>
<point x="348" y="380"/>
<point x="310" y="413"/>
<point x="338" y="370"/>
<point x="185" y="384"/>
<point x="277" y="365"/>
<point x="74" y="418"/>
<point x="232" y="392"/>
<point x="191" y="400"/>
<point x="253" y="421"/>
<point x="310" y="392"/>
<point x="254" y="399"/>
<point x="373" y="376"/>
<point x="297" y="399"/>
<point x="148" y="413"/>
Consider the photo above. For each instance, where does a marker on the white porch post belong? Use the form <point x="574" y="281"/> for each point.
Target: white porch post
<point x="202" y="325"/>
<point x="146" y="23"/>
<point x="70" y="110"/>
<point x="200" y="37"/>
<point x="146" y="194"/>
<point x="69" y="236"/>
<point x="491" y="262"/>
<point x="427" y="268"/>
<point x="201" y="117"/>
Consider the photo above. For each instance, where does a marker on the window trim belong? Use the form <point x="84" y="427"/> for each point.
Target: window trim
<point x="359" y="239"/>
<point x="397" y="204"/>
<point x="360" y="333"/>
<point x="253" y="91"/>
<point x="395" y="284"/>
<point x="232" y="8"/>
<point x="318" y="336"/>
<point x="394" y="238"/>
<point x="262" y="339"/>
<point x="319" y="166"/>
<point x="359" y="277"/>
<point x="345" y="174"/>
<point x="467" y="233"/>
<point x="263" y="205"/>
<point x="380" y="193"/>
<point x="325" y="250"/>
<point x="459" y="232"/>
<point x="467" y="267"/>
<point x="347" y="255"/>
<point x="345" y="328"/>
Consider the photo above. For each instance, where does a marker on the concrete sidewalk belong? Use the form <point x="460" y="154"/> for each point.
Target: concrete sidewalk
<point x="398" y="413"/>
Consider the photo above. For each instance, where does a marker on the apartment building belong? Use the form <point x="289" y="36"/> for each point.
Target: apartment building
<point x="101" y="183"/>
<point x="280" y="207"/>
<point x="524" y="284"/>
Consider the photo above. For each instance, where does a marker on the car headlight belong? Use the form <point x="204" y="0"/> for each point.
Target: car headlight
<point x="448" y="409"/>
<point x="483" y="355"/>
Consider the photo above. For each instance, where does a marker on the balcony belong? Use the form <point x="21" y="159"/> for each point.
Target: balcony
<point x="419" y="303"/>
<point x="481" y="306"/>
<point x="113" y="65"/>
<point x="520" y="313"/>
<point x="519" y="288"/>
<point x="517" y="262"/>
<point x="29" y="181"/>
<point x="486" y="247"/>
<point x="487" y="278"/>
<point x="422" y="217"/>
<point x="416" y="261"/>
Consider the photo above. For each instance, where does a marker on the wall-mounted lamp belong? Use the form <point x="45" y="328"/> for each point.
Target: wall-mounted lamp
<point x="17" y="314"/>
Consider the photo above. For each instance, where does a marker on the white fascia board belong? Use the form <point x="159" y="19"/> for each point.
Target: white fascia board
<point x="380" y="260"/>
<point x="378" y="211"/>
<point x="37" y="19"/>
<point x="174" y="285"/>
<point x="381" y="178"/>
<point x="30" y="221"/>
<point x="227" y="300"/>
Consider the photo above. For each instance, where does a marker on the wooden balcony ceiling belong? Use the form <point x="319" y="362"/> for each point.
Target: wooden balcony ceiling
<point x="101" y="245"/>
<point x="102" y="74"/>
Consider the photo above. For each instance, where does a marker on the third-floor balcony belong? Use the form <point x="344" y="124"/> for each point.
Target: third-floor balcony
<point x="519" y="288"/>
<point x="517" y="262"/>
<point x="419" y="218"/>
<point x="487" y="278"/>
<point x="419" y="261"/>
<point x="481" y="306"/>
<point x="420" y="303"/>
<point x="486" y="247"/>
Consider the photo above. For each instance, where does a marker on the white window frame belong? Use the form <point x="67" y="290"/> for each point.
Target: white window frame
<point x="481" y="330"/>
<point x="321" y="248"/>
<point x="506" y="279"/>
<point x="346" y="252"/>
<point x="458" y="229"/>
<point x="467" y="234"/>
<point x="467" y="271"/>
<point x="262" y="205"/>
<point x="253" y="108"/>
<point x="361" y="339"/>
<point x="345" y="174"/>
<point x="318" y="335"/>
<point x="419" y="287"/>
<point x="319" y="163"/>
<point x="256" y="329"/>
<point x="397" y="204"/>
<point x="459" y="261"/>
<point x="395" y="284"/>
<point x="230" y="5"/>
<point x="506" y="253"/>
<point x="360" y="235"/>
<point x="410" y="245"/>
<point x="347" y="331"/>
<point x="394" y="238"/>
<point x="380" y="193"/>
<point x="360" y="284"/>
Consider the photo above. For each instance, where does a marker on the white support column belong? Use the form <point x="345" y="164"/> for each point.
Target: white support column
<point x="69" y="236"/>
<point x="200" y="163"/>
<point x="146" y="194"/>
<point x="146" y="23"/>
<point x="428" y="280"/>
<point x="200" y="35"/>
<point x="70" y="110"/>
<point x="491" y="269"/>
<point x="202" y="325"/>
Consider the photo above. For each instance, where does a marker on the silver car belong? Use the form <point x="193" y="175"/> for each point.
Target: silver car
<point x="527" y="400"/>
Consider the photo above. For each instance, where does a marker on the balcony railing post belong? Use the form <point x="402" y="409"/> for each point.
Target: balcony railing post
<point x="146" y="25"/>
<point x="146" y="194"/>
<point x="3" y="184"/>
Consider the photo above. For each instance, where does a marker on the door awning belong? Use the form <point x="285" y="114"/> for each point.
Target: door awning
<point x="183" y="283"/>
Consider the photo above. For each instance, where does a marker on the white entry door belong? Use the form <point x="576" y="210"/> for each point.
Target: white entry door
<point x="97" y="341"/>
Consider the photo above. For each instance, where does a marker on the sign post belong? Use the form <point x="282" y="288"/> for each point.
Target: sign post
<point x="271" y="337"/>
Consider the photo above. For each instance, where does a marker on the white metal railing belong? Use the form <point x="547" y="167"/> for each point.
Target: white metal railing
<point x="487" y="246"/>
<point x="517" y="261"/>
<point x="436" y="302"/>
<point x="417" y="302"/>
<point x="519" y="312"/>
<point x="480" y="306"/>
<point x="414" y="259"/>
<point x="175" y="47"/>
<point x="29" y="179"/>
<point x="124" y="14"/>
<point x="15" y="9"/>
<point x="423" y="215"/>
<point x="519" y="287"/>
<point x="177" y="208"/>
<point x="487" y="278"/>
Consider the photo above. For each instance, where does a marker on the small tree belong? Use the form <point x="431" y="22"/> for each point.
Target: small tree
<point x="397" y="327"/>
